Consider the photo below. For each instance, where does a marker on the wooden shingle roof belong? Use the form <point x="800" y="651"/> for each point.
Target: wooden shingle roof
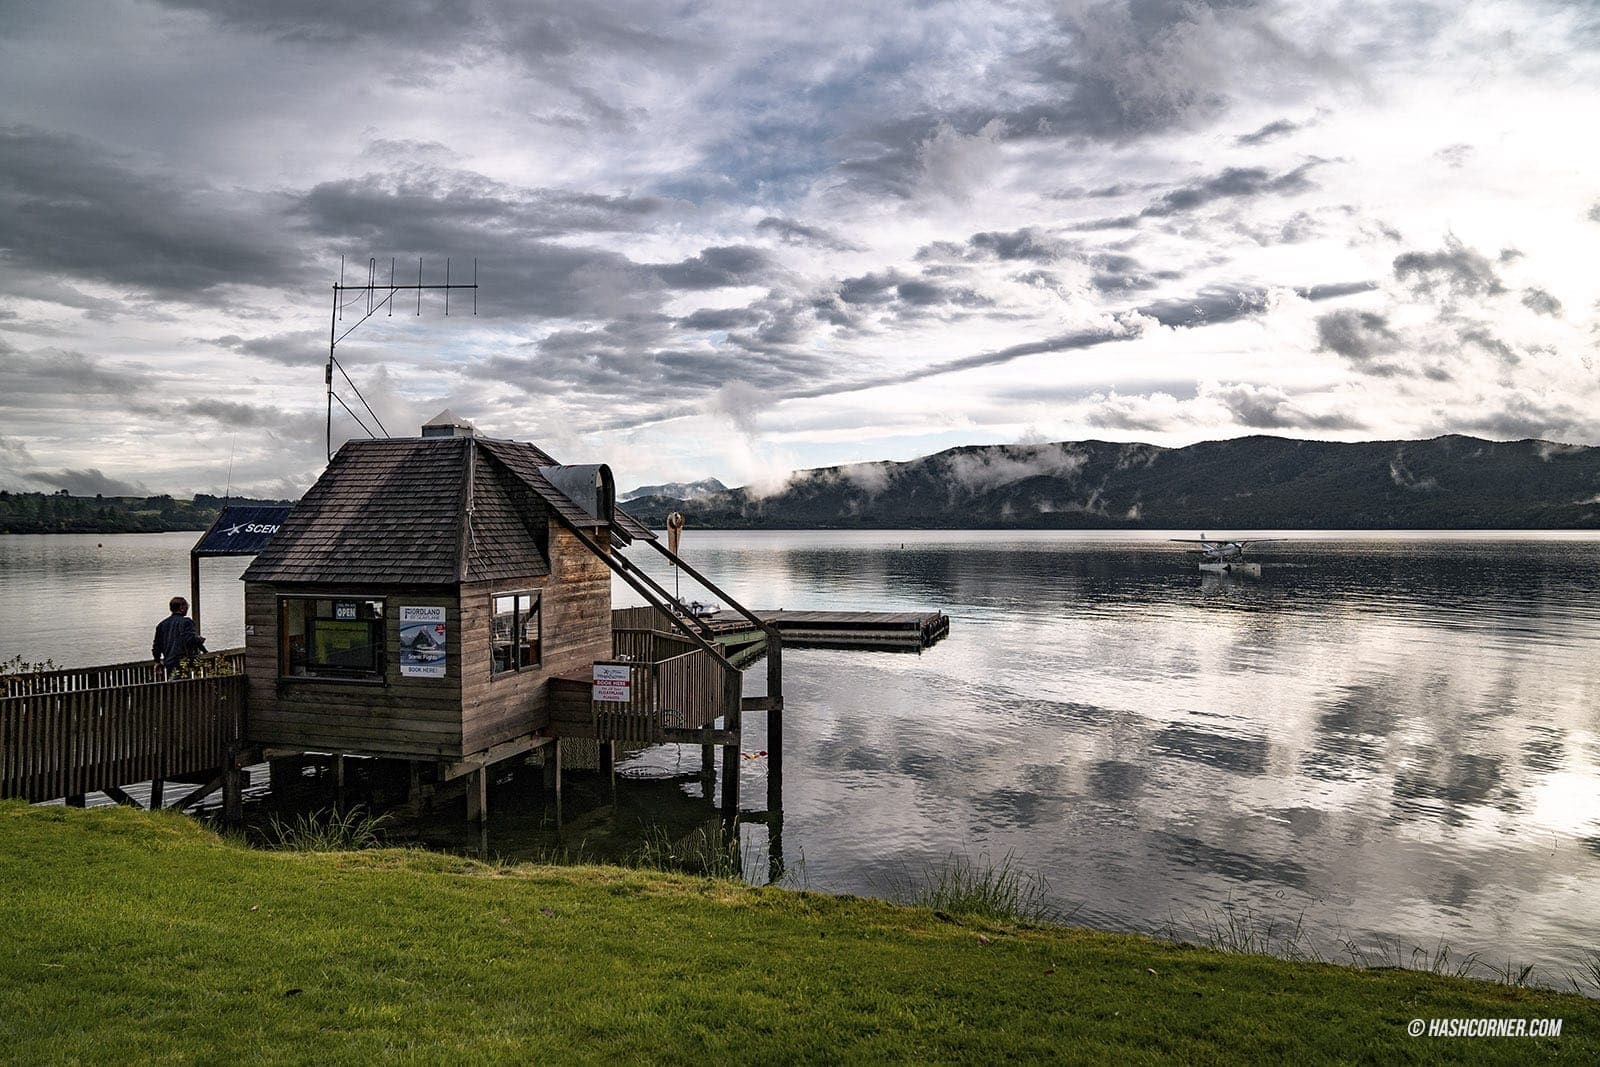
<point x="426" y="511"/>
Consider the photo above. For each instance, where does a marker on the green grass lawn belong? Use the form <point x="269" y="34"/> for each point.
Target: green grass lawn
<point x="129" y="936"/>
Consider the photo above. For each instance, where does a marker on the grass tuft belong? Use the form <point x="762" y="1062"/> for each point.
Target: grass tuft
<point x="708" y="853"/>
<point x="329" y="830"/>
<point x="983" y="889"/>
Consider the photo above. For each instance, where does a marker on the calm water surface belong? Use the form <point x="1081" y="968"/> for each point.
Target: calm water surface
<point x="1389" y="736"/>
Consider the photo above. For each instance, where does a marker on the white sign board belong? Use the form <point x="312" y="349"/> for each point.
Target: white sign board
<point x="422" y="634"/>
<point x="613" y="683"/>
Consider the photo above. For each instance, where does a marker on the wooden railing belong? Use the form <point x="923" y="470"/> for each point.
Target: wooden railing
<point x="645" y="618"/>
<point x="73" y="741"/>
<point x="137" y="672"/>
<point x="672" y="684"/>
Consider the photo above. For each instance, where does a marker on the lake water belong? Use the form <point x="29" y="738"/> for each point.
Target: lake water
<point x="1385" y="737"/>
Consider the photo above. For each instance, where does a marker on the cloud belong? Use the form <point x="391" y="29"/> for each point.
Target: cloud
<point x="89" y="481"/>
<point x="1272" y="131"/>
<point x="795" y="233"/>
<point x="1232" y="183"/>
<point x="979" y="472"/>
<point x="1270" y="408"/>
<point x="1455" y="269"/>
<point x="1208" y="307"/>
<point x="719" y="267"/>
<point x="68" y="206"/>
<point x="1540" y="302"/>
<point x="1358" y="336"/>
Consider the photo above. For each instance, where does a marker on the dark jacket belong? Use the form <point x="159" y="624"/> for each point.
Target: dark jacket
<point x="175" y="640"/>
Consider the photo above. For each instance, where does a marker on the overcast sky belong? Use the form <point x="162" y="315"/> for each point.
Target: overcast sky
<point x="732" y="239"/>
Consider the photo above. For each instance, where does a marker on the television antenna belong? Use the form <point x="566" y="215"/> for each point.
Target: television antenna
<point x="378" y="297"/>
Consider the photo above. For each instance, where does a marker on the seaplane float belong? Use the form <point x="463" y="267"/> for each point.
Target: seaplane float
<point x="1226" y="557"/>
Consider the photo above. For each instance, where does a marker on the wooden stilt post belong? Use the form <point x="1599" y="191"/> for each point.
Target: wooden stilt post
<point x="232" y="791"/>
<point x="730" y="754"/>
<point x="158" y="789"/>
<point x="478" y="795"/>
<point x="414" y="786"/>
<point x="338" y="782"/>
<point x="556" y="745"/>
<point x="194" y="592"/>
<point x="774" y="757"/>
<point x="708" y="761"/>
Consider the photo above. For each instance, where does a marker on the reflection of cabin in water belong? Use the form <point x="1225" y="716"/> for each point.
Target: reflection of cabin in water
<point x="446" y="599"/>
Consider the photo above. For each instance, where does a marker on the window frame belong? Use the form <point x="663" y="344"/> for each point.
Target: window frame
<point x="518" y="631"/>
<point x="377" y="627"/>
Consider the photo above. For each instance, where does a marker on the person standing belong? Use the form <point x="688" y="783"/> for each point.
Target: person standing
<point x="175" y="638"/>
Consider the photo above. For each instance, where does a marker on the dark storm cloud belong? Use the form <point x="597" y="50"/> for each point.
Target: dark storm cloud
<point x="1270" y="132"/>
<point x="720" y="319"/>
<point x="1232" y="183"/>
<point x="1541" y="302"/>
<point x="1208" y="307"/>
<point x="1330" y="290"/>
<point x="522" y="272"/>
<point x="435" y="201"/>
<point x="718" y="267"/>
<point x="1480" y="337"/>
<point x="56" y="376"/>
<point x="294" y="348"/>
<point x="795" y="233"/>
<point x="69" y="207"/>
<point x="535" y="31"/>
<point x="1523" y="416"/>
<point x="1026" y="244"/>
<point x="1455" y="268"/>
<point x="1268" y="408"/>
<point x="1359" y="336"/>
<point x="1111" y="72"/>
<point x="275" y="421"/>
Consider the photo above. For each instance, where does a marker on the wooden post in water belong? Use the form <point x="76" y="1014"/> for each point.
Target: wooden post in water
<point x="194" y="592"/>
<point x="708" y="762"/>
<point x="774" y="756"/>
<point x="478" y="795"/>
<point x="232" y="789"/>
<point x="731" y="758"/>
<point x="338" y="782"/>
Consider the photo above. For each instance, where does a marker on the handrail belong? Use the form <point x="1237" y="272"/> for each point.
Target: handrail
<point x="77" y="679"/>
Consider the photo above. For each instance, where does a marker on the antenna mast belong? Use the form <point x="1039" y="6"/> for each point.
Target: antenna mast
<point x="375" y="304"/>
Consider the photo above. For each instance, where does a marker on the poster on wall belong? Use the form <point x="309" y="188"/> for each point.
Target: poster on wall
<point x="422" y="632"/>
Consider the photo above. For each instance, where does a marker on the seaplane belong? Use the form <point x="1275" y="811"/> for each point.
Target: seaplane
<point x="1226" y="557"/>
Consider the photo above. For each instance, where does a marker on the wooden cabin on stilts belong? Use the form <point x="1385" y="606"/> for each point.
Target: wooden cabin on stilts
<point x="446" y="600"/>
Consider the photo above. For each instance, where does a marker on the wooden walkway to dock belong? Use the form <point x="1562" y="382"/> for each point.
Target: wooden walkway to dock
<point x="890" y="631"/>
<point x="899" y="631"/>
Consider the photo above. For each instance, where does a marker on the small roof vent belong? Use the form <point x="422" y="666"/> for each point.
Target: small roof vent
<point x="448" y="424"/>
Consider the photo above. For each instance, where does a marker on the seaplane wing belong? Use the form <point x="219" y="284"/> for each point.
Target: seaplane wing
<point x="1241" y="542"/>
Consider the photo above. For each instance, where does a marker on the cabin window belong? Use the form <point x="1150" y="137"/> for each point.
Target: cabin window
<point x="332" y="637"/>
<point x="514" y="644"/>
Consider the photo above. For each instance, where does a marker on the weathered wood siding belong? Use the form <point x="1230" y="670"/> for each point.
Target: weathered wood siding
<point x="575" y="606"/>
<point x="407" y="717"/>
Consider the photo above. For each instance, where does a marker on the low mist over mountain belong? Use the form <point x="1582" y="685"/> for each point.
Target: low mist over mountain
<point x="1451" y="482"/>
<point x="678" y="490"/>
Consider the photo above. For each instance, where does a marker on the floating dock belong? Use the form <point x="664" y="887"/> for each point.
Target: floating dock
<point x="891" y="631"/>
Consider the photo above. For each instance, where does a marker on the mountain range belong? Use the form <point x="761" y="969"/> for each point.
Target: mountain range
<point x="1258" y="482"/>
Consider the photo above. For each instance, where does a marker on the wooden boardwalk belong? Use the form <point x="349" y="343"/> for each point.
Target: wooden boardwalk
<point x="892" y="631"/>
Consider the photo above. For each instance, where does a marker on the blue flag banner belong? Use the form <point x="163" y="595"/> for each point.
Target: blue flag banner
<point x="241" y="530"/>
